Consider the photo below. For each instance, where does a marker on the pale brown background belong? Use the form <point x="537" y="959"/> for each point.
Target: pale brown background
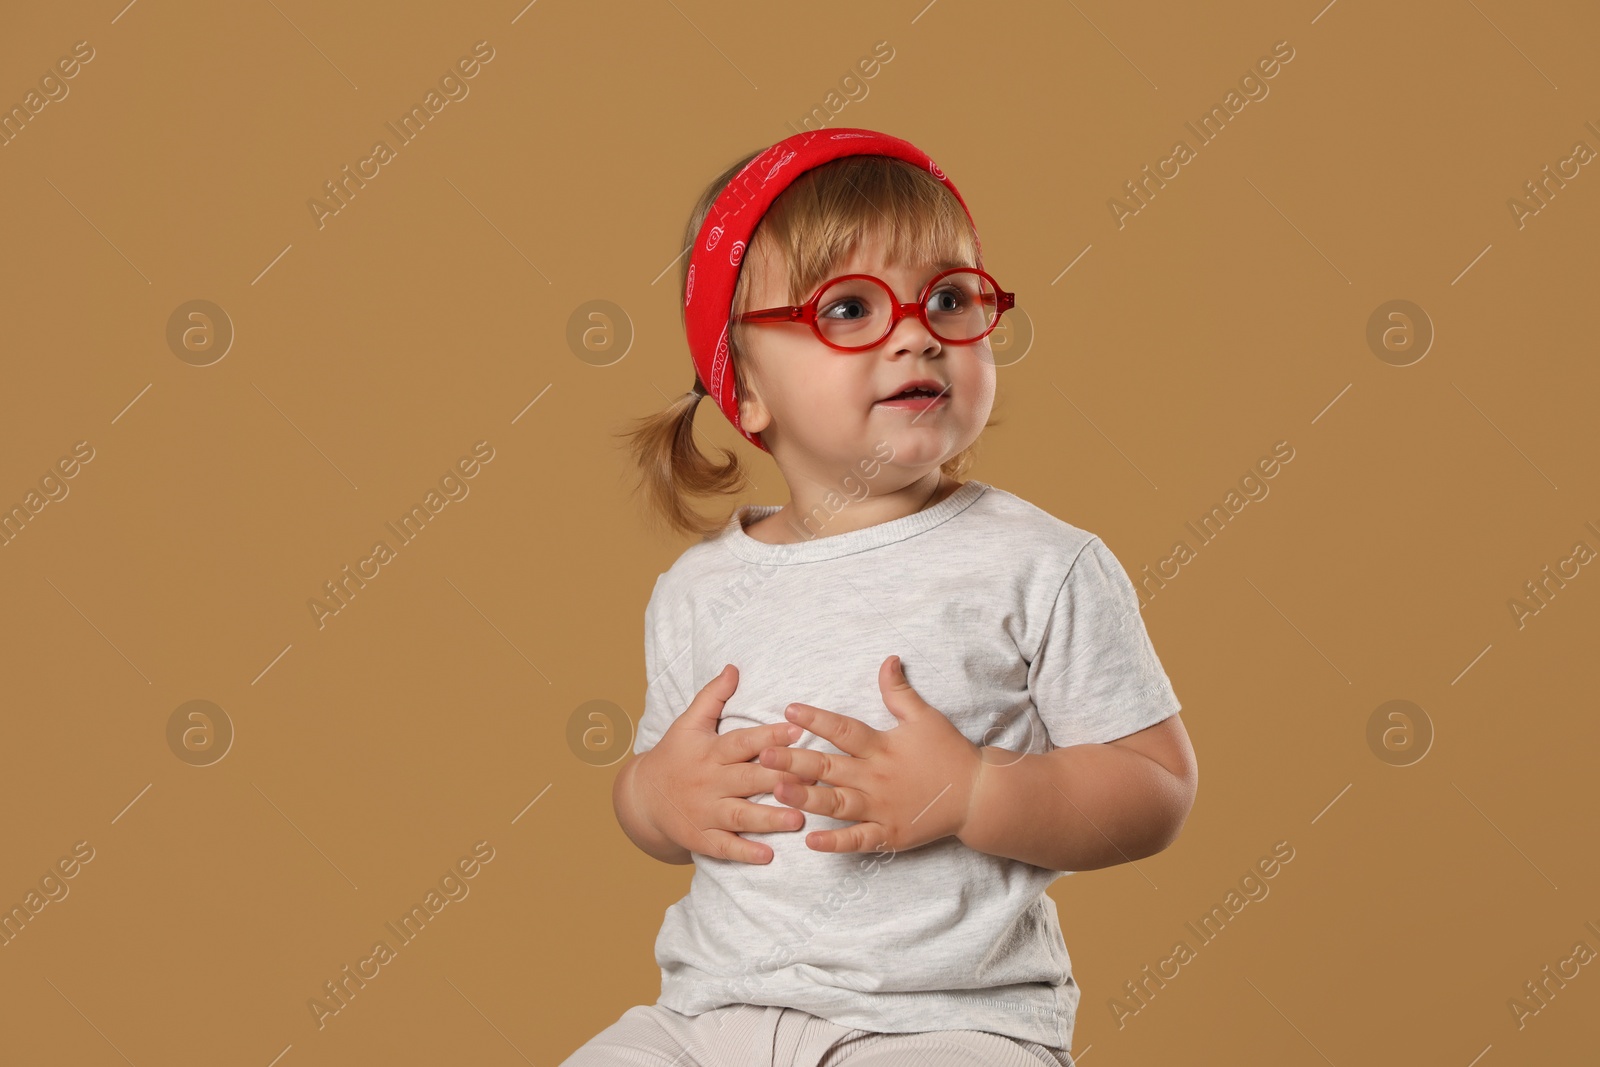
<point x="372" y="353"/>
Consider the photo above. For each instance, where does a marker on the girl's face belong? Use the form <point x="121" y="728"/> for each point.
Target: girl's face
<point x="819" y="410"/>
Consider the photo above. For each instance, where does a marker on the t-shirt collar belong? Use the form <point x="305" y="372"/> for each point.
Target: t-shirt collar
<point x="824" y="545"/>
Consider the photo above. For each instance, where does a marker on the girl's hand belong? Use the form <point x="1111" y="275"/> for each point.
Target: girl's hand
<point x="903" y="787"/>
<point x="691" y="782"/>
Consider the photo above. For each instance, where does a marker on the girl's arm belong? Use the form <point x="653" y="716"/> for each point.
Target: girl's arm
<point x="1085" y="807"/>
<point x="634" y="816"/>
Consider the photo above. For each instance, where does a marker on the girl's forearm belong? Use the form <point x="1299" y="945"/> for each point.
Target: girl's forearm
<point x="1074" y="809"/>
<point x="635" y="805"/>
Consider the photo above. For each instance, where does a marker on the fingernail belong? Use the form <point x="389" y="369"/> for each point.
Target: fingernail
<point x="795" y="732"/>
<point x="791" y="712"/>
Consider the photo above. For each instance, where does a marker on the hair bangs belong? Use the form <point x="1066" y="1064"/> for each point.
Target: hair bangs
<point x="831" y="211"/>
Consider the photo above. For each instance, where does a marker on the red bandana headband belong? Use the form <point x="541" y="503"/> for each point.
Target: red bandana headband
<point x="732" y="219"/>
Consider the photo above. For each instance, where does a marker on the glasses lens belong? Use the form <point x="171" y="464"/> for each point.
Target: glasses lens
<point x="856" y="312"/>
<point x="853" y="312"/>
<point x="962" y="306"/>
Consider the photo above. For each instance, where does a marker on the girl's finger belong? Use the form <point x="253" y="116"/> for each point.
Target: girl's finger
<point x="744" y="744"/>
<point x="705" y="709"/>
<point x="846" y="804"/>
<point x="847" y="734"/>
<point x="769" y="779"/>
<point x="818" y="766"/>
<point x="748" y="817"/>
<point x="730" y="846"/>
<point x="858" y="838"/>
<point x="751" y="779"/>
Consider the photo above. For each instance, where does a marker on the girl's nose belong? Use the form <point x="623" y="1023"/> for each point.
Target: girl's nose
<point x="911" y="336"/>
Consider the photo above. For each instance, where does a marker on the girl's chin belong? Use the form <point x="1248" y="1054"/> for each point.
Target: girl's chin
<point x="914" y="450"/>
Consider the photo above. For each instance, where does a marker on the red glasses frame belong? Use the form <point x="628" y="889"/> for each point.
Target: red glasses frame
<point x="807" y="312"/>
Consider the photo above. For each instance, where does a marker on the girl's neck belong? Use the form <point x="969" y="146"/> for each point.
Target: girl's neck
<point x="807" y="520"/>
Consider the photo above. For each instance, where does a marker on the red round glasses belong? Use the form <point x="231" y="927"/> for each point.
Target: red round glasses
<point x="853" y="312"/>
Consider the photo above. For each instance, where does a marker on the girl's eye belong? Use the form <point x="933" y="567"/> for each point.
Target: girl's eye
<point x="852" y="308"/>
<point x="947" y="299"/>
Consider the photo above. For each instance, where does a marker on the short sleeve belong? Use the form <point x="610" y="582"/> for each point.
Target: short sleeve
<point x="1096" y="676"/>
<point x="667" y="660"/>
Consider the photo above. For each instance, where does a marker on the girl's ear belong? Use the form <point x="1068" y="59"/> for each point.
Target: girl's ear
<point x="753" y="414"/>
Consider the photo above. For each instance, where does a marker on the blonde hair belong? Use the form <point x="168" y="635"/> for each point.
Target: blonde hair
<point x="812" y="226"/>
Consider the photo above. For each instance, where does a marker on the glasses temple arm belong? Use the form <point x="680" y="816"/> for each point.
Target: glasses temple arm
<point x="783" y="314"/>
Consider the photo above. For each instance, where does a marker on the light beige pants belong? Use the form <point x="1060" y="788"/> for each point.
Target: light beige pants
<point x="749" y="1035"/>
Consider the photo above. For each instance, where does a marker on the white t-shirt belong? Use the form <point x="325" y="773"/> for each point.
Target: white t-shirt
<point x="1022" y="629"/>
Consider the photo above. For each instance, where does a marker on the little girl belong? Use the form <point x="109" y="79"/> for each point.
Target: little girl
<point x="884" y="717"/>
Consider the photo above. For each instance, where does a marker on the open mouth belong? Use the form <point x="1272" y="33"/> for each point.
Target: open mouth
<point x="917" y="398"/>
